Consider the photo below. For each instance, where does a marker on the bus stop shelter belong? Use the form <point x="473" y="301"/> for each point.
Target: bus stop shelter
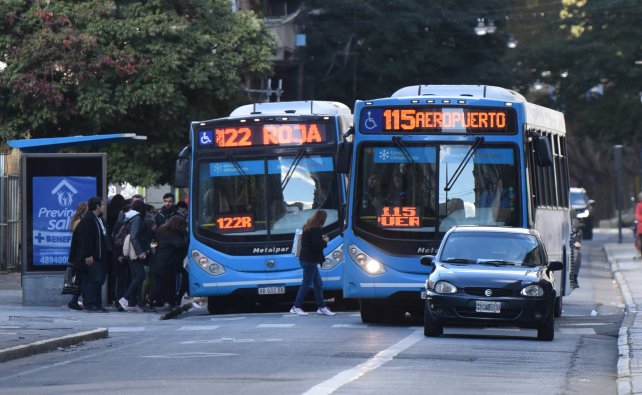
<point x="47" y="178"/>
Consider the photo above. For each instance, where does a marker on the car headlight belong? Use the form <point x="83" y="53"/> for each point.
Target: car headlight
<point x="366" y="263"/>
<point x="444" y="287"/>
<point x="207" y="264"/>
<point x="333" y="258"/>
<point x="532" y="290"/>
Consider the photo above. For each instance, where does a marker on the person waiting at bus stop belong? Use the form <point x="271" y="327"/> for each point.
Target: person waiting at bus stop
<point x="312" y="245"/>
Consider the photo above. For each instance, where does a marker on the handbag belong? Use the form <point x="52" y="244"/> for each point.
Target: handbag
<point x="128" y="248"/>
<point x="71" y="284"/>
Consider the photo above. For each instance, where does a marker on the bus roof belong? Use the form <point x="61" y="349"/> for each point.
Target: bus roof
<point x="307" y="107"/>
<point x="463" y="91"/>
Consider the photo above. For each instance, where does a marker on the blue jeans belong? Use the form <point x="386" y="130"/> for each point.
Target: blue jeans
<point x="92" y="280"/>
<point x="311" y="279"/>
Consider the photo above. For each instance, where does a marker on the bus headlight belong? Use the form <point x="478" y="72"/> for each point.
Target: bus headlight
<point x="333" y="258"/>
<point x="207" y="264"/>
<point x="366" y="263"/>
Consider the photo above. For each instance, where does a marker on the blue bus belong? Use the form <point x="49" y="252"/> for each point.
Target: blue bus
<point x="255" y="177"/>
<point x="433" y="156"/>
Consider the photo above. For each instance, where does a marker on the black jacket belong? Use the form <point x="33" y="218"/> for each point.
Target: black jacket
<point x="312" y="245"/>
<point x="169" y="255"/>
<point x="88" y="240"/>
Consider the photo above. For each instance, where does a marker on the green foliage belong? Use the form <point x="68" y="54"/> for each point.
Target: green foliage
<point x="360" y="49"/>
<point x="145" y="67"/>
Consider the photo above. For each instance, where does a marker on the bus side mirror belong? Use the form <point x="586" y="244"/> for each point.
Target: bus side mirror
<point x="344" y="157"/>
<point x="543" y="152"/>
<point x="182" y="170"/>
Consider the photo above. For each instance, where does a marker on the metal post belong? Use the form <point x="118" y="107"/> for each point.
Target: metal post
<point x="617" y="162"/>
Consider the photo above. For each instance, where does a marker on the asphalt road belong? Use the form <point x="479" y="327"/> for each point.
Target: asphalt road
<point x="281" y="353"/>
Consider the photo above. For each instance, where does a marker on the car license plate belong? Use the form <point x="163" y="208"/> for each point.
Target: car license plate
<point x="483" y="306"/>
<point x="272" y="290"/>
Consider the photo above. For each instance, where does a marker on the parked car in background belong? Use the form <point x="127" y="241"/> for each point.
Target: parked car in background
<point x="583" y="207"/>
<point x="490" y="276"/>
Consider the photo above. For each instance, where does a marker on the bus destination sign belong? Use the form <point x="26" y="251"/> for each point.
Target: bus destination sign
<point x="255" y="135"/>
<point x="235" y="223"/>
<point x="398" y="217"/>
<point x="438" y="119"/>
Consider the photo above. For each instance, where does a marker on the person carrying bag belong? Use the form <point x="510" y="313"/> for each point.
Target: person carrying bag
<point x="312" y="244"/>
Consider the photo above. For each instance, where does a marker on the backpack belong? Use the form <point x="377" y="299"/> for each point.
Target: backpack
<point x="123" y="231"/>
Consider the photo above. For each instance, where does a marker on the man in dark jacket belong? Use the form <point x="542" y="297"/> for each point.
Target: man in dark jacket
<point x="92" y="255"/>
<point x="168" y="210"/>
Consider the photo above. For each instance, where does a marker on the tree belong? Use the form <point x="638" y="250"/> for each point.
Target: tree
<point x="361" y="49"/>
<point x="148" y="67"/>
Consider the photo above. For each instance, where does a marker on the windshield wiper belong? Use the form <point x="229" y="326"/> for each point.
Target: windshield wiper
<point x="290" y="172"/>
<point x="404" y="150"/>
<point x="458" y="260"/>
<point x="495" y="262"/>
<point x="473" y="148"/>
<point x="236" y="164"/>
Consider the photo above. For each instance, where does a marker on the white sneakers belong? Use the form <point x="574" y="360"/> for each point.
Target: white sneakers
<point x="297" y="310"/>
<point x="322" y="311"/>
<point x="124" y="303"/>
<point x="325" y="311"/>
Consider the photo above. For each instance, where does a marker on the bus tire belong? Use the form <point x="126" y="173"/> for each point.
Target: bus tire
<point x="371" y="311"/>
<point x="215" y="305"/>
<point x="559" y="304"/>
<point x="546" y="332"/>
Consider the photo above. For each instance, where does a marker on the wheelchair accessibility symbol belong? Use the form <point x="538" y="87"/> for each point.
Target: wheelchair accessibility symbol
<point x="206" y="137"/>
<point x="372" y="120"/>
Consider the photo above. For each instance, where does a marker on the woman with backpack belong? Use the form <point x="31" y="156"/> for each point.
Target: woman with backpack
<point x="140" y="235"/>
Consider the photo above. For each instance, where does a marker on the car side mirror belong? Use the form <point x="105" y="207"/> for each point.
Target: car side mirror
<point x="428" y="260"/>
<point x="554" y="266"/>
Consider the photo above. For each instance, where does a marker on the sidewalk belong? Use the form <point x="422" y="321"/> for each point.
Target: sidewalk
<point x="29" y="330"/>
<point x="626" y="266"/>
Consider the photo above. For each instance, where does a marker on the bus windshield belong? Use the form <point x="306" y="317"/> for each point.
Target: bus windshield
<point x="247" y="199"/>
<point x="410" y="191"/>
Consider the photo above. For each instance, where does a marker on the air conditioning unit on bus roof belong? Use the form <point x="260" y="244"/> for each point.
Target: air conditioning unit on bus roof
<point x="460" y="91"/>
<point x="307" y="107"/>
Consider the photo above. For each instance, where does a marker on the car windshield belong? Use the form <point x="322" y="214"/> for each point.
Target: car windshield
<point x="578" y="199"/>
<point x="492" y="248"/>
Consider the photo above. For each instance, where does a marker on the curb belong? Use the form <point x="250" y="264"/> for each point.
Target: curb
<point x="43" y="346"/>
<point x="623" y="381"/>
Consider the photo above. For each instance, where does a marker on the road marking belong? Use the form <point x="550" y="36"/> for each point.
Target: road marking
<point x="8" y="333"/>
<point x="230" y="340"/>
<point x="275" y="326"/>
<point x="189" y="355"/>
<point x="349" y="326"/>
<point x="123" y="329"/>
<point x="382" y="357"/>
<point x="227" y="319"/>
<point x="198" y="328"/>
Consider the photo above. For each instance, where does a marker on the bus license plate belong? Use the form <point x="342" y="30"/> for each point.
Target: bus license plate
<point x="483" y="306"/>
<point x="272" y="290"/>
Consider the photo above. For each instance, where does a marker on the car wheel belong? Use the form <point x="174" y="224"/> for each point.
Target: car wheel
<point x="546" y="332"/>
<point x="431" y="328"/>
<point x="559" y="305"/>
<point x="371" y="311"/>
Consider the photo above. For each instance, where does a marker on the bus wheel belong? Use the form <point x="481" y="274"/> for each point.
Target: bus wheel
<point x="371" y="311"/>
<point x="216" y="304"/>
<point x="558" y="307"/>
